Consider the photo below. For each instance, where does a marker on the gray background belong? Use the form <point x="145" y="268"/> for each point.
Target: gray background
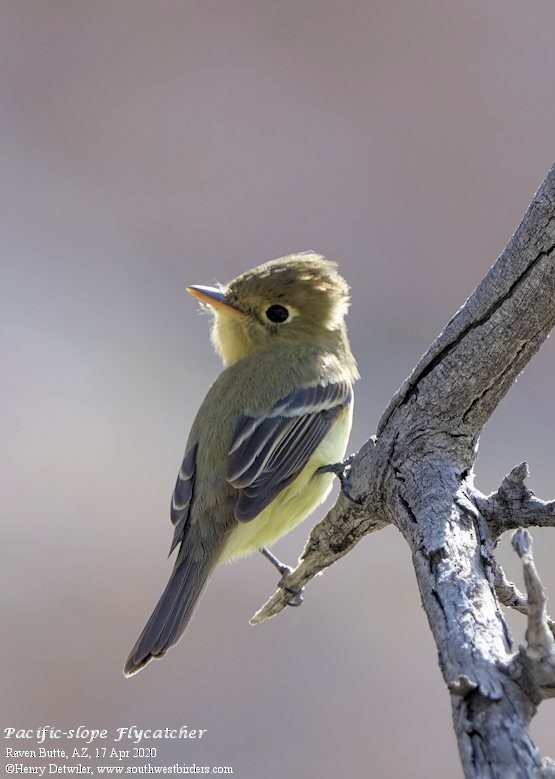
<point x="149" y="145"/>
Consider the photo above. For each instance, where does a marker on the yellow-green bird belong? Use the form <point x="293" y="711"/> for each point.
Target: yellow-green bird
<point x="280" y="411"/>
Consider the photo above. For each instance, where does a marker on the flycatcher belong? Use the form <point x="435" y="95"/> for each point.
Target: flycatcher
<point x="280" y="411"/>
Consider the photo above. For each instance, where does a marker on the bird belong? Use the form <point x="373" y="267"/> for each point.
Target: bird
<point x="258" y="459"/>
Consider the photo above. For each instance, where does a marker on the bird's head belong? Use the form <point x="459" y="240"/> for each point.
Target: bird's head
<point x="298" y="298"/>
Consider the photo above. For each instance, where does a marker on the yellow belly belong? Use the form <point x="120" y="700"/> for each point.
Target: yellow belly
<point x="296" y="501"/>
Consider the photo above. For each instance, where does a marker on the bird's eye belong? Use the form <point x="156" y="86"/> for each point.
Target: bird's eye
<point x="277" y="313"/>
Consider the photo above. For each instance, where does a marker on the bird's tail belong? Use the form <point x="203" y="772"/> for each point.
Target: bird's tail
<point x="172" y="613"/>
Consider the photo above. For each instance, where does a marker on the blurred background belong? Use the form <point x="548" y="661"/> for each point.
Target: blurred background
<point x="146" y="146"/>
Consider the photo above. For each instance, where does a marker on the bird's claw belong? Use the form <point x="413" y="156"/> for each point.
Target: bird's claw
<point x="342" y="471"/>
<point x="293" y="597"/>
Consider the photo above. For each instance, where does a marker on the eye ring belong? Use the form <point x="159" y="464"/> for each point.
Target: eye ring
<point x="277" y="313"/>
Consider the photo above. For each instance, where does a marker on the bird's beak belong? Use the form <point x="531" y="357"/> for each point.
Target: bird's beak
<point x="212" y="297"/>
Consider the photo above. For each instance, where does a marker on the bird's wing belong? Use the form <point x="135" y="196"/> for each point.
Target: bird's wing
<point x="182" y="495"/>
<point x="268" y="452"/>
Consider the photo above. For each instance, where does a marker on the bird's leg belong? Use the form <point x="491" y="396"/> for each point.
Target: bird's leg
<point x="342" y="471"/>
<point x="294" y="597"/>
<point x="282" y="568"/>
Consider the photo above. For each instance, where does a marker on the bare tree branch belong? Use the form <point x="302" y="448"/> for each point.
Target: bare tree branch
<point x="513" y="505"/>
<point x="417" y="474"/>
<point x="535" y="663"/>
<point x="509" y="595"/>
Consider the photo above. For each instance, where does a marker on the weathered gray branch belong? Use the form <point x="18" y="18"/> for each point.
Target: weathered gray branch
<point x="509" y="595"/>
<point x="535" y="663"/>
<point x="513" y="505"/>
<point x="417" y="474"/>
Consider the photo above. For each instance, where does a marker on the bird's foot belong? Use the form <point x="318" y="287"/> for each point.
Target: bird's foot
<point x="292" y="596"/>
<point x="342" y="471"/>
